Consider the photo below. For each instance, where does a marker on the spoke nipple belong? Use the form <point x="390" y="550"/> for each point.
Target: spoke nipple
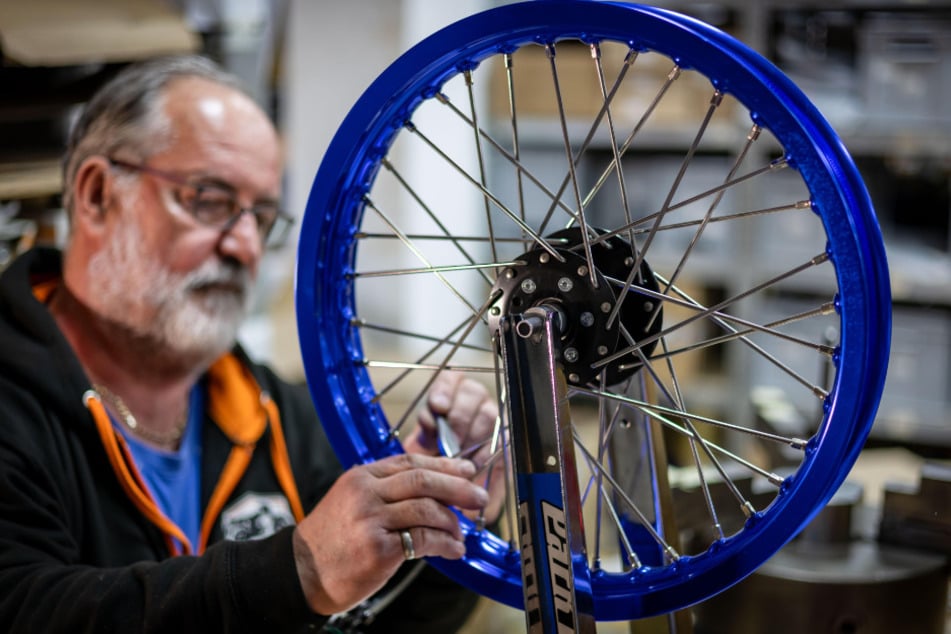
<point x="748" y="509"/>
<point x="633" y="561"/>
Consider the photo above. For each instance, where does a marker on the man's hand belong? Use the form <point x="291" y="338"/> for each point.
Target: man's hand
<point x="350" y="544"/>
<point x="472" y="414"/>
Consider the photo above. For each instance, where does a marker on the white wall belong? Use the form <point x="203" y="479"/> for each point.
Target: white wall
<point x="334" y="50"/>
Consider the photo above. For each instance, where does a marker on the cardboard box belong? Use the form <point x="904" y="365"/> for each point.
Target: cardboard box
<point x="685" y="102"/>
<point x="53" y="55"/>
<point x="68" y="32"/>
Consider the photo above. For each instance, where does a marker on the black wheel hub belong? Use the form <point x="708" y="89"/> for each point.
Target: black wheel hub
<point x="585" y="308"/>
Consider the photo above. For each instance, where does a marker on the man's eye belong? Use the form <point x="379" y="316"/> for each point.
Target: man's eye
<point x="266" y="213"/>
<point x="209" y="206"/>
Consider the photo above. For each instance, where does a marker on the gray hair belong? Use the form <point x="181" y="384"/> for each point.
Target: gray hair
<point x="125" y="112"/>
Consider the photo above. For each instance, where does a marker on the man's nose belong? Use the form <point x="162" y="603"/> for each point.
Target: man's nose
<point x="241" y="240"/>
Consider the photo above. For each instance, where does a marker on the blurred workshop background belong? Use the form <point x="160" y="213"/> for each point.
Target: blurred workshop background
<point x="879" y="70"/>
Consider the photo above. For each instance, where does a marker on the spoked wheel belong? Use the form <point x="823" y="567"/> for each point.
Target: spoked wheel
<point x="704" y="240"/>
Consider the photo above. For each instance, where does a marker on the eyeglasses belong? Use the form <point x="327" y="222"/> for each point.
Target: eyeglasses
<point x="215" y="205"/>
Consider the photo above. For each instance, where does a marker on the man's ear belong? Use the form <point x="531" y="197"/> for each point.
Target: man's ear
<point x="92" y="191"/>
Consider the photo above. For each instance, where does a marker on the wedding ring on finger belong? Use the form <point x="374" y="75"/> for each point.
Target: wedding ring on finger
<point x="409" y="552"/>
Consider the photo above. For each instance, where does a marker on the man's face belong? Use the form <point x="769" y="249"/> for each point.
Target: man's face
<point x="163" y="275"/>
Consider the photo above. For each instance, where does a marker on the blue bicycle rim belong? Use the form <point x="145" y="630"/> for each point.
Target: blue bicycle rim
<point x="331" y="346"/>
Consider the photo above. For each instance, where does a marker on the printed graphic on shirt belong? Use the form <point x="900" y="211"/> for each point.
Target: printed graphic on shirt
<point x="256" y="516"/>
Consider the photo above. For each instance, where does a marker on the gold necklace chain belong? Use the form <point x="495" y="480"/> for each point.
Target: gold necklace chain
<point x="127" y="417"/>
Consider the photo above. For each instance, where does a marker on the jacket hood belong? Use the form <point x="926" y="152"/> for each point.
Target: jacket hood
<point x="33" y="351"/>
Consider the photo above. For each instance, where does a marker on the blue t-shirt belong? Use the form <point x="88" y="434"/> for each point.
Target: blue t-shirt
<point x="174" y="477"/>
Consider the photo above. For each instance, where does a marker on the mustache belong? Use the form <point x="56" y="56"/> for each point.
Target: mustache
<point x="227" y="276"/>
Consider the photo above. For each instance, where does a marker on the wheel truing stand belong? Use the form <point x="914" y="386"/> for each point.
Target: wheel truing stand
<point x="555" y="575"/>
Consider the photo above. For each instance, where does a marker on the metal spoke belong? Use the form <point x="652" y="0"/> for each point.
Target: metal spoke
<point x="573" y="161"/>
<point x="485" y="192"/>
<point x="741" y="215"/>
<point x="695" y="438"/>
<point x="599" y="483"/>
<point x="706" y="312"/>
<point x="498" y="435"/>
<point x="688" y="157"/>
<point x="603" y="497"/>
<point x="751" y="327"/>
<point x="656" y="412"/>
<point x="692" y="442"/>
<point x="750" y="139"/>
<point x="433" y="367"/>
<point x="603" y="177"/>
<point x="671" y="553"/>
<point x="818" y="391"/>
<point x="429" y="212"/>
<point x="513" y="123"/>
<point x="416" y="237"/>
<point x="573" y="176"/>
<point x="616" y="154"/>
<point x="467" y="74"/>
<point x="652" y="217"/>
<point x="437" y="269"/>
<point x="651" y="408"/>
<point x="381" y="392"/>
<point x="419" y="254"/>
<point x="479" y="316"/>
<point x="515" y="160"/>
<point x="362" y="323"/>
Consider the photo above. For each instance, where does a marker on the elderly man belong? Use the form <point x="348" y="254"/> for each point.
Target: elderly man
<point x="152" y="477"/>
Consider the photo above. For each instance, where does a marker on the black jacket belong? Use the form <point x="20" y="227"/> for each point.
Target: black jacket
<point x="80" y="553"/>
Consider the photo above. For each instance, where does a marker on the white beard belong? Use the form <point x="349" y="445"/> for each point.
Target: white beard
<point x="187" y="315"/>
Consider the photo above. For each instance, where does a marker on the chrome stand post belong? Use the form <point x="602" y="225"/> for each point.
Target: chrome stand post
<point x="555" y="573"/>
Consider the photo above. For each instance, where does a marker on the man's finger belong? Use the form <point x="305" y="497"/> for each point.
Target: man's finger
<point x="449" y="489"/>
<point x="391" y="465"/>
